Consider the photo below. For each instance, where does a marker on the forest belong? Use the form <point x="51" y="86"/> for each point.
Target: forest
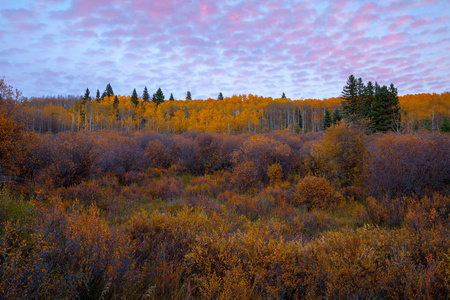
<point x="243" y="197"/>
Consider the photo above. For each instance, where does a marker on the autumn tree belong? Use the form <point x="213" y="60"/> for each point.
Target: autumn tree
<point x="158" y="97"/>
<point x="145" y="95"/>
<point x="220" y="97"/>
<point x="134" y="98"/>
<point x="188" y="95"/>
<point x="340" y="155"/>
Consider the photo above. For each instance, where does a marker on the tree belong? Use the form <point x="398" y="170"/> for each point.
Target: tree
<point x="145" y="95"/>
<point x="336" y="116"/>
<point x="116" y="102"/>
<point x="340" y="155"/>
<point x="171" y="97"/>
<point x="350" y="98"/>
<point x="98" y="95"/>
<point x="445" y="125"/>
<point x="385" y="112"/>
<point x="220" y="97"/>
<point x="369" y="94"/>
<point x="327" y="121"/>
<point x="134" y="98"/>
<point x="283" y="95"/>
<point x="188" y="95"/>
<point x="109" y="90"/>
<point x="86" y="95"/>
<point x="158" y="97"/>
<point x="9" y="98"/>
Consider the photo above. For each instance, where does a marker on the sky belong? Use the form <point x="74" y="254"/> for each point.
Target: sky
<point x="306" y="49"/>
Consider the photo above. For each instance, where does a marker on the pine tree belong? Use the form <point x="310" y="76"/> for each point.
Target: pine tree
<point x="350" y="97"/>
<point x="220" y="97"/>
<point x="98" y="95"/>
<point x="134" y="98"/>
<point x="116" y="102"/>
<point x="445" y="125"/>
<point x="283" y="96"/>
<point x="188" y="95"/>
<point x="327" y="121"/>
<point x="109" y="90"/>
<point x="145" y="95"/>
<point x="116" y="106"/>
<point x="171" y="97"/>
<point x="104" y="95"/>
<point x="385" y="112"/>
<point x="336" y="116"/>
<point x="86" y="95"/>
<point x="158" y="97"/>
<point x="366" y="105"/>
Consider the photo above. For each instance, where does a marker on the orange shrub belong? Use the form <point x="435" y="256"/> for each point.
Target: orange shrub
<point x="316" y="192"/>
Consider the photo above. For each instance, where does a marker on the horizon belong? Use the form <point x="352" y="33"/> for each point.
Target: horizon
<point x="306" y="49"/>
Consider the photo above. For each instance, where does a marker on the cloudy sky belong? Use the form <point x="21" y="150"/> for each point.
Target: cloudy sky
<point x="305" y="48"/>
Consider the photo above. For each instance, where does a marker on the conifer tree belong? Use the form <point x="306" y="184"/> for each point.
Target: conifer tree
<point x="220" y="97"/>
<point x="145" y="95"/>
<point x="134" y="98"/>
<point x="445" y="125"/>
<point x="283" y="96"/>
<point x="336" y="116"/>
<point x="385" y="111"/>
<point x="109" y="90"/>
<point x="98" y="95"/>
<point x="369" y="94"/>
<point x="350" y="97"/>
<point x="327" y="121"/>
<point x="116" y="102"/>
<point x="188" y="95"/>
<point x="171" y="97"/>
<point x="158" y="97"/>
<point x="86" y="95"/>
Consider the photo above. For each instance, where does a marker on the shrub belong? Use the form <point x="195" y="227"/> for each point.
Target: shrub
<point x="316" y="192"/>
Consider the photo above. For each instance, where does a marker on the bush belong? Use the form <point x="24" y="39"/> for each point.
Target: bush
<point x="316" y="192"/>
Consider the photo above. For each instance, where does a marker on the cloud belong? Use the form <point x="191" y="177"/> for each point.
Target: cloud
<point x="257" y="46"/>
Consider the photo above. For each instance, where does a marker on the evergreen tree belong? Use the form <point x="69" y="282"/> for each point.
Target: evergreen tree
<point x="104" y="95"/>
<point x="158" y="97"/>
<point x="171" y="97"/>
<point x="98" y="95"/>
<point x="350" y="97"/>
<point x="327" y="121"/>
<point x="86" y="95"/>
<point x="283" y="95"/>
<point x="369" y="94"/>
<point x="385" y="112"/>
<point x="445" y="125"/>
<point x="116" y="102"/>
<point x="188" y="95"/>
<point x="145" y="95"/>
<point x="427" y="124"/>
<point x="109" y="90"/>
<point x="336" y="116"/>
<point x="220" y="97"/>
<point x="134" y="98"/>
